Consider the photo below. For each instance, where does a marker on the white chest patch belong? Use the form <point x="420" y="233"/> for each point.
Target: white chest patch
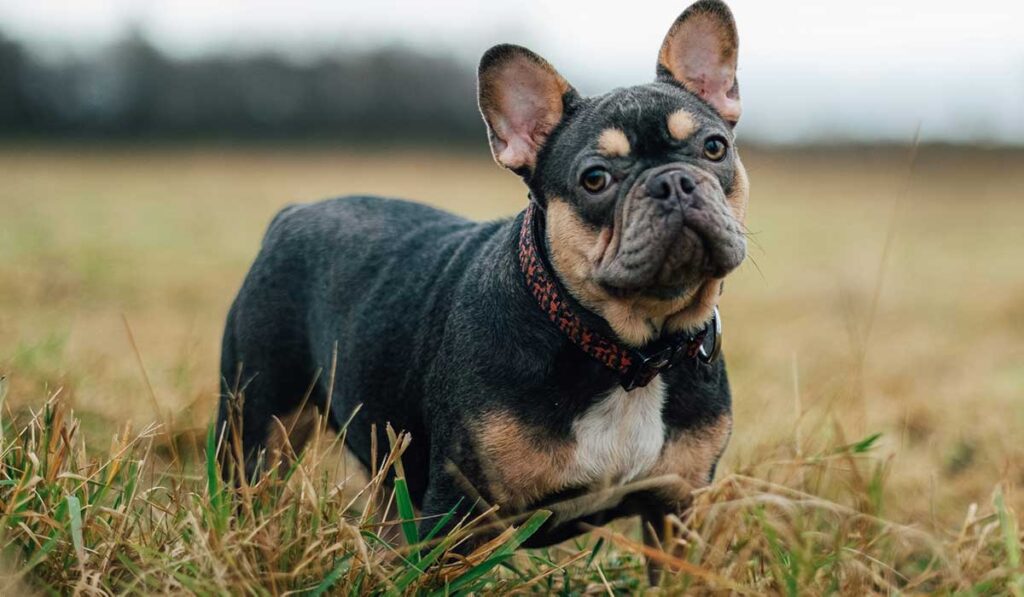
<point x="620" y="437"/>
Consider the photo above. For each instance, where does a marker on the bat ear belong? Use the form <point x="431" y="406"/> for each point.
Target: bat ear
<point x="522" y="98"/>
<point x="699" y="52"/>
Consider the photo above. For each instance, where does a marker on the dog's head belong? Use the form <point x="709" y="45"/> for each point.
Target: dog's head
<point x="643" y="189"/>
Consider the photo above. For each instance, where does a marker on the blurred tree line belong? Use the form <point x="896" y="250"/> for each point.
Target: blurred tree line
<point x="133" y="91"/>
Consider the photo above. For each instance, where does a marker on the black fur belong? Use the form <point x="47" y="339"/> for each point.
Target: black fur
<point x="433" y="326"/>
<point x="431" y="321"/>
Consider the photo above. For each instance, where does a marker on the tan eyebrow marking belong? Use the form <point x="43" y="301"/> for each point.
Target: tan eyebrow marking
<point x="681" y="125"/>
<point x="613" y="143"/>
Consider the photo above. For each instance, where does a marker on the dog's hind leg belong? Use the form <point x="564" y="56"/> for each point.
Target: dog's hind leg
<point x="268" y="407"/>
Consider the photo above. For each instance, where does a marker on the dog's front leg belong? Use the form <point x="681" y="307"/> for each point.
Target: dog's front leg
<point x="654" y="529"/>
<point x="451" y="501"/>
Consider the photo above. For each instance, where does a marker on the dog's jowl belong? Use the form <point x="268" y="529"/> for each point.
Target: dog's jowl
<point x="566" y="357"/>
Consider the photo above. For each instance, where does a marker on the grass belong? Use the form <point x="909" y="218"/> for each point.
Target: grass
<point x="875" y="341"/>
<point x="128" y="522"/>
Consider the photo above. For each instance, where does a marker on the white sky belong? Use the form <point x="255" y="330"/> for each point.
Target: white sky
<point x="869" y="69"/>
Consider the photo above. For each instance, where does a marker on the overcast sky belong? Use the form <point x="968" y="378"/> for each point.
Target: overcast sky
<point x="866" y="70"/>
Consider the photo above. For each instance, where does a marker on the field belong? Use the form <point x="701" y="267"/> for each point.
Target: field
<point x="884" y="294"/>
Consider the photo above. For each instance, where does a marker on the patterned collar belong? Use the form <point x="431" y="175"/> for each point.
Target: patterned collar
<point x="636" y="367"/>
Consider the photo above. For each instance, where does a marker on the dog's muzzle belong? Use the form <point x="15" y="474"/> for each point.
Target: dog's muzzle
<point x="674" y="231"/>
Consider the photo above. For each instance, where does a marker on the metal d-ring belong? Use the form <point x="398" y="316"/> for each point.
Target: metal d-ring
<point x="715" y="329"/>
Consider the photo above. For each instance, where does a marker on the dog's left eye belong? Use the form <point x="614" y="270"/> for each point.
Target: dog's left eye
<point x="595" y="180"/>
<point x="715" y="148"/>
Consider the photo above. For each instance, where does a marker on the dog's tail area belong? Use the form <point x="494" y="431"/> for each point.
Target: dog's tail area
<point x="228" y="432"/>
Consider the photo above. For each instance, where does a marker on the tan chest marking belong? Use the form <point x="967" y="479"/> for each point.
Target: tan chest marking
<point x="520" y="464"/>
<point x="692" y="455"/>
<point x="616" y="441"/>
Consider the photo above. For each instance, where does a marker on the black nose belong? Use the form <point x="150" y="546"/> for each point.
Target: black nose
<point x="669" y="184"/>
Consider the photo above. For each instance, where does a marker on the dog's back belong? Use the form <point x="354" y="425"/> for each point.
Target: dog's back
<point x="356" y="280"/>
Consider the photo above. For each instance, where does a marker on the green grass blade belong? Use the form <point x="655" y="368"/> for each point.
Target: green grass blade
<point x="413" y="572"/>
<point x="785" y="566"/>
<point x="408" y="517"/>
<point x="75" y="521"/>
<point x="213" y="483"/>
<point x="442" y="522"/>
<point x="594" y="552"/>
<point x="860" y="447"/>
<point x="39" y="555"/>
<point x="1011" y="540"/>
<point x="332" y="577"/>
<point x="212" y="479"/>
<point x="522" y="534"/>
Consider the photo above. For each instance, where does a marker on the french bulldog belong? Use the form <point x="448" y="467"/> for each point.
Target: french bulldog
<point x="565" y="357"/>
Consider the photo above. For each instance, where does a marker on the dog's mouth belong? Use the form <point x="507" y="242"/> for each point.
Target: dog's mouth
<point x="665" y="293"/>
<point x="666" y="247"/>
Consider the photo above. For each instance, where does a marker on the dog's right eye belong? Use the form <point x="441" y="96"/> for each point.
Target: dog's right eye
<point x="595" y="180"/>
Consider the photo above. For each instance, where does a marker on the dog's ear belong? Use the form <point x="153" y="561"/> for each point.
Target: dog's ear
<point x="700" y="51"/>
<point x="522" y="99"/>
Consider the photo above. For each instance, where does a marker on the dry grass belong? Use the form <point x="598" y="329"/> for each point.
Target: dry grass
<point x="880" y="298"/>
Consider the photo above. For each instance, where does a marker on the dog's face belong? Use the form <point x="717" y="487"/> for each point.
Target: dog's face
<point x="644" y="191"/>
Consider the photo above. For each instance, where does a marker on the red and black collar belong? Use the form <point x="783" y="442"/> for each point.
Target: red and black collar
<point x="636" y="367"/>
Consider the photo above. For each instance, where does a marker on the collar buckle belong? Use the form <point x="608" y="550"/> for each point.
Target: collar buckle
<point x="714" y="329"/>
<point x="647" y="364"/>
<point x="662" y="355"/>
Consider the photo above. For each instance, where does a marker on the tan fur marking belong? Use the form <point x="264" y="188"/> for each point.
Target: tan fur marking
<point x="695" y="314"/>
<point x="740" y="195"/>
<point x="575" y="247"/>
<point x="575" y="251"/>
<point x="681" y="125"/>
<point x="521" y="464"/>
<point x="628" y="324"/>
<point x="692" y="455"/>
<point x="613" y="143"/>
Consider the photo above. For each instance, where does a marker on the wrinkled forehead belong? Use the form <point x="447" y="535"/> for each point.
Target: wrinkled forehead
<point x="651" y="118"/>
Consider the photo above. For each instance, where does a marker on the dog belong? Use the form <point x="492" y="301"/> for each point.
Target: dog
<point x="563" y="358"/>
